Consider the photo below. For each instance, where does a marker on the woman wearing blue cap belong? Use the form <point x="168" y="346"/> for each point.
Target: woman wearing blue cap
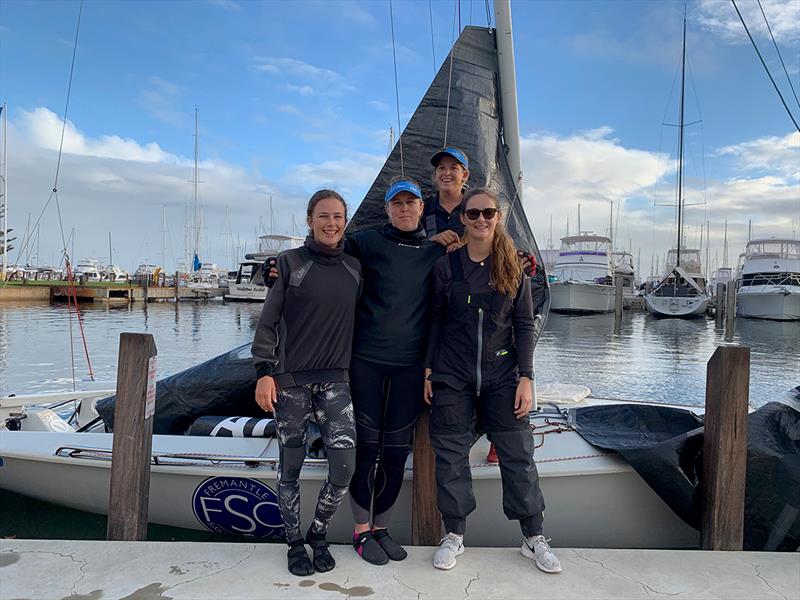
<point x="443" y="207"/>
<point x="386" y="371"/>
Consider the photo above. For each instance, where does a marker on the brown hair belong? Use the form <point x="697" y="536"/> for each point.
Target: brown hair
<point x="320" y="195"/>
<point x="506" y="268"/>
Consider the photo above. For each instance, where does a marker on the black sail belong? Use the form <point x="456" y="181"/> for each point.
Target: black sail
<point x="475" y="124"/>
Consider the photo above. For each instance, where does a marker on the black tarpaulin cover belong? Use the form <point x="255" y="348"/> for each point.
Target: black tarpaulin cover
<point x="665" y="446"/>
<point x="222" y="386"/>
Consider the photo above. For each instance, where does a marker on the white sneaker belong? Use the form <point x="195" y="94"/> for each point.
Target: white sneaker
<point x="451" y="546"/>
<point x="538" y="550"/>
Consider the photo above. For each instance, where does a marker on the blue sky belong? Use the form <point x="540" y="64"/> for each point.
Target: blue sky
<point x="298" y="95"/>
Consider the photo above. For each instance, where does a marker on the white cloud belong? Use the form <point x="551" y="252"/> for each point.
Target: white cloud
<point x="720" y="18"/>
<point x="44" y="129"/>
<point x="303" y="90"/>
<point x="326" y="81"/>
<point x="778" y="154"/>
<point x="289" y="109"/>
<point x="109" y="183"/>
<point x="228" y="5"/>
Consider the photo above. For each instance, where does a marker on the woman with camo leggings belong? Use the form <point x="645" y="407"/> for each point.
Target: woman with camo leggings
<point x="302" y="351"/>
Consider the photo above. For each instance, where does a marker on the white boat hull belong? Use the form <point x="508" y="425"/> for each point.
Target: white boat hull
<point x="769" y="302"/>
<point x="581" y="297"/>
<point x="594" y="498"/>
<point x="246" y="292"/>
<point x="676" y="306"/>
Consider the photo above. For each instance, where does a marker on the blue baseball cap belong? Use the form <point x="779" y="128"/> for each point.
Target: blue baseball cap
<point x="450" y="151"/>
<point x="402" y="186"/>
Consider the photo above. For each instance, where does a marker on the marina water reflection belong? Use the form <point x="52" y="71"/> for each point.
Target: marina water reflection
<point x="662" y="360"/>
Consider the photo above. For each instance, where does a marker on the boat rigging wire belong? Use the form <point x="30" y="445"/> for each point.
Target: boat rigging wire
<point x="766" y="68"/>
<point x="450" y="75"/>
<point x="433" y="45"/>
<point x="396" y="92"/>
<point x="774" y="43"/>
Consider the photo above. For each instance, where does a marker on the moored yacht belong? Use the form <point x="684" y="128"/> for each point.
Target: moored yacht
<point x="249" y="285"/>
<point x="769" y="287"/>
<point x="88" y="269"/>
<point x="682" y="291"/>
<point x="623" y="269"/>
<point x="583" y="276"/>
<point x="721" y="275"/>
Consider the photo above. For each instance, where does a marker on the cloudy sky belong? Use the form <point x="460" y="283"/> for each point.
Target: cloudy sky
<point x="296" y="96"/>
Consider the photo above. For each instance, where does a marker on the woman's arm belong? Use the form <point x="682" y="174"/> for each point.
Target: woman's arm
<point x="524" y="326"/>
<point x="439" y="283"/>
<point x="265" y="343"/>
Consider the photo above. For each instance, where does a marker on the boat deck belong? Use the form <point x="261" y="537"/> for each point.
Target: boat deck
<point x="60" y="569"/>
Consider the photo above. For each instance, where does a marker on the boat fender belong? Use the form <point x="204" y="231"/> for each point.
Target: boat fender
<point x="292" y="458"/>
<point x="341" y="465"/>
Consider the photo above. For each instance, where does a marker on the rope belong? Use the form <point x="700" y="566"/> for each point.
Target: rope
<point x="397" y="93"/>
<point x="69" y="89"/>
<point x="488" y="14"/>
<point x="450" y="76"/>
<point x="774" y="43"/>
<point x="761" y="58"/>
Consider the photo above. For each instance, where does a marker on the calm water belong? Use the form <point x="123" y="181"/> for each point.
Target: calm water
<point x="647" y="359"/>
<point x="661" y="360"/>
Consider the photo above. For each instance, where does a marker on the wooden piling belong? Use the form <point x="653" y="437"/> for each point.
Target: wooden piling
<point x="618" y="297"/>
<point x="426" y="524"/>
<point x="133" y="439"/>
<point x="730" y="308"/>
<point x="177" y="282"/>
<point x="719" y="305"/>
<point x="725" y="448"/>
<point x="146" y="287"/>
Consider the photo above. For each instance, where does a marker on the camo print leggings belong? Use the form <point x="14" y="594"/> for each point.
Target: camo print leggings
<point x="332" y="408"/>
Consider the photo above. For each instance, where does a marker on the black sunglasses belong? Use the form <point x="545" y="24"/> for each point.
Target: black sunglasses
<point x="474" y="213"/>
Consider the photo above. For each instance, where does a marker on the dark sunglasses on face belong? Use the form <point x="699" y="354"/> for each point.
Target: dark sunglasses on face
<point x="474" y="213"/>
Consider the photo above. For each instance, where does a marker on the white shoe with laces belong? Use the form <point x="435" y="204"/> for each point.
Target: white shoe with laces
<point x="452" y="545"/>
<point x="538" y="550"/>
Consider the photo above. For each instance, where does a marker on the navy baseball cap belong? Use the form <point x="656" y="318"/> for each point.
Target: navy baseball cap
<point x="450" y="151"/>
<point x="402" y="186"/>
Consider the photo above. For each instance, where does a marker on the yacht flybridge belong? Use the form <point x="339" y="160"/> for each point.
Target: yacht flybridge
<point x="769" y="287"/>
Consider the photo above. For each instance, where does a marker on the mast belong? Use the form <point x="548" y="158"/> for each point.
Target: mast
<point x="508" y="89"/>
<point x="195" y="223"/>
<point x="110" y="257"/>
<point x="164" y="236"/>
<point x="611" y="225"/>
<point x="5" y="191"/>
<point x="680" y="146"/>
<point x="550" y="239"/>
<point x="579" y="218"/>
<point x="725" y="246"/>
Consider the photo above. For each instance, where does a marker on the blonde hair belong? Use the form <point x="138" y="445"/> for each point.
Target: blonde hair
<point x="506" y="268"/>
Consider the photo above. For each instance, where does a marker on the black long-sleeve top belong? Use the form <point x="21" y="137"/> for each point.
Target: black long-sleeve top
<point x="305" y="331"/>
<point x="508" y="328"/>
<point x="393" y="313"/>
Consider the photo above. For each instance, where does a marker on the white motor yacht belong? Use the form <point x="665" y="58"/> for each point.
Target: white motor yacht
<point x="769" y="287"/>
<point x="583" y="276"/>
<point x="88" y="269"/>
<point x="248" y="286"/>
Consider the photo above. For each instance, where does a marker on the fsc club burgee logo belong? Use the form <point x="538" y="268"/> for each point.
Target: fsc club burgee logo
<point x="238" y="506"/>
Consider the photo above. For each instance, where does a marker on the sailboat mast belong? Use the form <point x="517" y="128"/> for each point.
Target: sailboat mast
<point x="725" y="246"/>
<point x="508" y="89"/>
<point x="195" y="224"/>
<point x="110" y="257"/>
<point x="5" y="191"/>
<point x="680" y="147"/>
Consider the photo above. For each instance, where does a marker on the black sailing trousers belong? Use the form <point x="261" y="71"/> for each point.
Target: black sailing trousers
<point x="455" y="415"/>
<point x="387" y="401"/>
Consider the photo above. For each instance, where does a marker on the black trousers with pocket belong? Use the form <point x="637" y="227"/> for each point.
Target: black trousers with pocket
<point x="455" y="417"/>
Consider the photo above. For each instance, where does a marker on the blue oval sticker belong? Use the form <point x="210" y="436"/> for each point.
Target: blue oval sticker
<point x="238" y="506"/>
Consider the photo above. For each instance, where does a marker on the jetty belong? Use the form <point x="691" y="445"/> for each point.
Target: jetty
<point x="27" y="290"/>
<point x="80" y="569"/>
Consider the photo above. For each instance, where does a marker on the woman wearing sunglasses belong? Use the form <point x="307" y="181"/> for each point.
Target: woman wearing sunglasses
<point x="479" y="367"/>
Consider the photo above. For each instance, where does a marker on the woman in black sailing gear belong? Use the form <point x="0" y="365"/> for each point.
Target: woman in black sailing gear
<point x="386" y="372"/>
<point x="479" y="369"/>
<point x="302" y="351"/>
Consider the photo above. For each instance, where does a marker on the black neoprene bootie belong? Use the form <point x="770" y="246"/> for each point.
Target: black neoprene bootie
<point x="368" y="549"/>
<point x="323" y="559"/>
<point x="393" y="550"/>
<point x="299" y="563"/>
